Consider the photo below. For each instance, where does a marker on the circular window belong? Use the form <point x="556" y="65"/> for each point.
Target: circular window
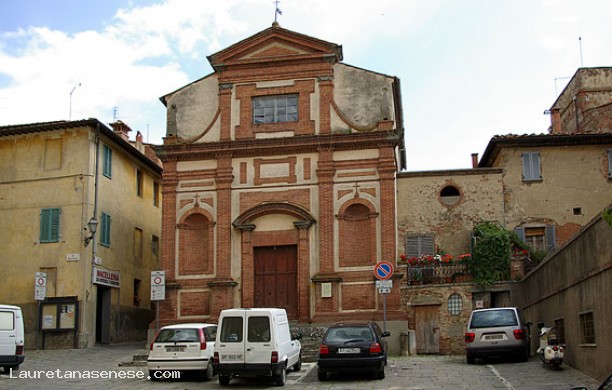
<point x="450" y="195"/>
<point x="455" y="304"/>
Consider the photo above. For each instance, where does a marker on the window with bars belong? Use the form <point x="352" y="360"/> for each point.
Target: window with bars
<point x="455" y="304"/>
<point x="531" y="166"/>
<point x="587" y="328"/>
<point x="275" y="109"/>
<point x="50" y="225"/>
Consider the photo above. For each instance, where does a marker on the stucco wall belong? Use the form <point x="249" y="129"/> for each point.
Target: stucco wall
<point x="572" y="177"/>
<point x="575" y="280"/>
<point x="419" y="210"/>
<point x="30" y="180"/>
<point x="363" y="97"/>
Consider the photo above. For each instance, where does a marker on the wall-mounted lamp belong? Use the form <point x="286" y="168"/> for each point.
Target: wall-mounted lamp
<point x="92" y="225"/>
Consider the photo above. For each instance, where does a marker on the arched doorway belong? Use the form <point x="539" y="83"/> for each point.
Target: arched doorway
<point x="276" y="257"/>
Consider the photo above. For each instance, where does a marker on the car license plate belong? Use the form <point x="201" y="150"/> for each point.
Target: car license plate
<point x="349" y="350"/>
<point x="231" y="356"/>
<point x="494" y="337"/>
<point x="175" y="349"/>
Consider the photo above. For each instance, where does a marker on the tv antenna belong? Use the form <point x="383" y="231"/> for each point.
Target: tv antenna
<point x="71" y="92"/>
<point x="580" y="48"/>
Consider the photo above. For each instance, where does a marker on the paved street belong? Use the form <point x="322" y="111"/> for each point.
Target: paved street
<point x="42" y="369"/>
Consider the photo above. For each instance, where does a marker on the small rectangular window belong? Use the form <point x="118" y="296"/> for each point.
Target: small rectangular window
<point x="105" y="230"/>
<point x="231" y="330"/>
<point x="275" y="109"/>
<point x="138" y="243"/>
<point x="610" y="163"/>
<point x="560" y="330"/>
<point x="136" y="292"/>
<point x="587" y="328"/>
<point x="139" y="180"/>
<point x="50" y="225"/>
<point x="7" y="320"/>
<point x="531" y="166"/>
<point x="154" y="245"/>
<point x="259" y="330"/>
<point x="155" y="193"/>
<point x="107" y="161"/>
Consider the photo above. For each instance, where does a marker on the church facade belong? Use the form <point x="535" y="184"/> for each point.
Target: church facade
<point x="279" y="184"/>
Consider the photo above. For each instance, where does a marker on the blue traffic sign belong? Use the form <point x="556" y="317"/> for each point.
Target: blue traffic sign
<point x="383" y="270"/>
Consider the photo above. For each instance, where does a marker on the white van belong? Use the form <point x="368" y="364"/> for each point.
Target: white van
<point x="11" y="337"/>
<point x="256" y="342"/>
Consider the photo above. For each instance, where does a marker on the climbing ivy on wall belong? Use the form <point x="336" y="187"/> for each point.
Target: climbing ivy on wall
<point x="607" y="216"/>
<point x="490" y="261"/>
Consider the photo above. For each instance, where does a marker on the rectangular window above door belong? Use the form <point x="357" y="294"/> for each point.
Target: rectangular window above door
<point x="275" y="109"/>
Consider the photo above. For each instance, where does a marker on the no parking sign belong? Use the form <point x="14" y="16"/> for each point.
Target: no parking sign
<point x="383" y="270"/>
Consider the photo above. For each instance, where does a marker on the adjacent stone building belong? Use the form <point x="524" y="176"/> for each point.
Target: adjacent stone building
<point x="279" y="183"/>
<point x="544" y="187"/>
<point x="78" y="288"/>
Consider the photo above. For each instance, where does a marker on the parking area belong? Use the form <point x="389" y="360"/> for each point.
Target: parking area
<point x="111" y="367"/>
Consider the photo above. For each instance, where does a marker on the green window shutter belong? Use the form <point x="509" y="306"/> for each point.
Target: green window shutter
<point x="49" y="225"/>
<point x="107" y="161"/>
<point x="105" y="229"/>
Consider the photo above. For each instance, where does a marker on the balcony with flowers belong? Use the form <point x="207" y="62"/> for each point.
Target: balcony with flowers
<point x="436" y="269"/>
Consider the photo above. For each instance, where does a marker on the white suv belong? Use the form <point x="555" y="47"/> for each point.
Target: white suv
<point x="496" y="332"/>
<point x="183" y="347"/>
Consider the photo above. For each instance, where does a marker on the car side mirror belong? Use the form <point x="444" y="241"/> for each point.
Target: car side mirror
<point x="297" y="336"/>
<point x="386" y="334"/>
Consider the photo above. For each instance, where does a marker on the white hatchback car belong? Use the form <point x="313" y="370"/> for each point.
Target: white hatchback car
<point x="183" y="347"/>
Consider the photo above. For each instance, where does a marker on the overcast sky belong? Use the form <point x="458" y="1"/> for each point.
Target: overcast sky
<point x="469" y="69"/>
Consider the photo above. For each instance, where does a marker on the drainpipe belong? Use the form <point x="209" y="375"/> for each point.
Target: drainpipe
<point x="95" y="205"/>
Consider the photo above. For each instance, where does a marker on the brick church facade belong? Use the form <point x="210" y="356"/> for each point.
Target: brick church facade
<point x="279" y="184"/>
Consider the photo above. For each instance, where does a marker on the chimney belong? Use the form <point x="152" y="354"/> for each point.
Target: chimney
<point x="555" y="120"/>
<point x="121" y="129"/>
<point x="474" y="160"/>
<point x="139" y="144"/>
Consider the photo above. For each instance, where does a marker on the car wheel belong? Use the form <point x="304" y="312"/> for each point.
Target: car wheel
<point x="321" y="375"/>
<point x="281" y="378"/>
<point x="224" y="380"/>
<point x="471" y="359"/>
<point x="298" y="366"/>
<point x="525" y="356"/>
<point x="380" y="374"/>
<point x="208" y="373"/>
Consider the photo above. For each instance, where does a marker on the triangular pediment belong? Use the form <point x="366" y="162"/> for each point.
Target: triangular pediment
<point x="275" y="44"/>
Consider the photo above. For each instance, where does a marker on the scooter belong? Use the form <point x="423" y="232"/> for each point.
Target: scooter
<point x="550" y="351"/>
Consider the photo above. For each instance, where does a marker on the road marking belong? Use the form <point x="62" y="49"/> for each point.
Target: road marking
<point x="501" y="378"/>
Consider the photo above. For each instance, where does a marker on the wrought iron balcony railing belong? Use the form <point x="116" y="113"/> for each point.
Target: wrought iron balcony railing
<point x="437" y="273"/>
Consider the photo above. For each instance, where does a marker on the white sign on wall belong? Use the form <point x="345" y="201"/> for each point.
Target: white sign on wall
<point x="107" y="277"/>
<point x="158" y="285"/>
<point x="40" y="286"/>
